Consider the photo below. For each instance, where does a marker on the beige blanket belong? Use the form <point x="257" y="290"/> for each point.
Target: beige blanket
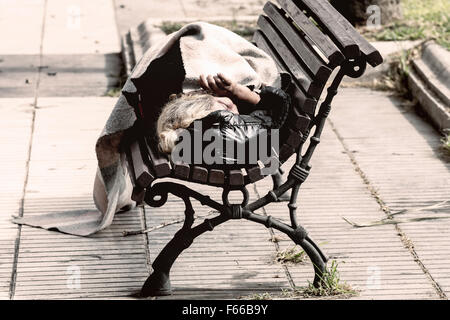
<point x="205" y="49"/>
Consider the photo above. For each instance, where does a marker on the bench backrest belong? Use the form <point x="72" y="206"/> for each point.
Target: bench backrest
<point x="306" y="38"/>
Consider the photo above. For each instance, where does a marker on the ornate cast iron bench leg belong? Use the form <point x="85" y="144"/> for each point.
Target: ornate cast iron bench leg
<point x="158" y="284"/>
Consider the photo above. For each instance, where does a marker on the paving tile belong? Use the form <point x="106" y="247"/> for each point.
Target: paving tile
<point x="76" y="27"/>
<point x="402" y="162"/>
<point x="49" y="263"/>
<point x="79" y="75"/>
<point x="131" y="15"/>
<point x="372" y="260"/>
<point x="88" y="267"/>
<point x="26" y="38"/>
<point x="15" y="121"/>
<point x="81" y="119"/>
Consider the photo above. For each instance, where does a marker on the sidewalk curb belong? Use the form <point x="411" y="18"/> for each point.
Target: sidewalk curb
<point x="429" y="81"/>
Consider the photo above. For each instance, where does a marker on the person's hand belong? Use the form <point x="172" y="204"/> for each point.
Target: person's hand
<point x="223" y="86"/>
<point x="219" y="85"/>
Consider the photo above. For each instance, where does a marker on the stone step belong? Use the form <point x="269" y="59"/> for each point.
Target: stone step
<point x="429" y="82"/>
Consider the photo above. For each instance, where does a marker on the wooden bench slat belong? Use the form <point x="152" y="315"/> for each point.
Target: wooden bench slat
<point x="141" y="171"/>
<point x="216" y="177"/>
<point x="130" y="167"/>
<point x="309" y="57"/>
<point x="254" y="174"/>
<point x="373" y="56"/>
<point x="321" y="12"/>
<point x="308" y="105"/>
<point x="158" y="161"/>
<point x="311" y="87"/>
<point x="236" y="178"/>
<point x="300" y="122"/>
<point x="199" y="174"/>
<point x="138" y="193"/>
<point x="324" y="43"/>
<point x="294" y="139"/>
<point x="286" y="151"/>
<point x="181" y="170"/>
<point x="261" y="42"/>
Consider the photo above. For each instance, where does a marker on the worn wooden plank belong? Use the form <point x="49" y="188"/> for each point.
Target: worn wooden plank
<point x="373" y="56"/>
<point x="294" y="139"/>
<point x="330" y="50"/>
<point x="285" y="152"/>
<point x="159" y="161"/>
<point x="138" y="192"/>
<point x="311" y="60"/>
<point x="260" y="41"/>
<point x="310" y="86"/>
<point x="343" y="30"/>
<point x="199" y="174"/>
<point x="216" y="177"/>
<point x="326" y="16"/>
<point x="141" y="171"/>
<point x="254" y="174"/>
<point x="299" y="121"/>
<point x="181" y="170"/>
<point x="236" y="178"/>
<point x="138" y="195"/>
<point x="300" y="100"/>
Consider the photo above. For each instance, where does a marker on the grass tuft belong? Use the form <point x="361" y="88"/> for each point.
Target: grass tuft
<point x="446" y="143"/>
<point x="258" y="296"/>
<point x="114" y="92"/>
<point x="291" y="255"/>
<point x="331" y="285"/>
<point x="423" y="19"/>
<point x="169" y="27"/>
<point x="396" y="78"/>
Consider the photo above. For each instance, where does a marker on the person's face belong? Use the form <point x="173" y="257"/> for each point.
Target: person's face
<point x="224" y="103"/>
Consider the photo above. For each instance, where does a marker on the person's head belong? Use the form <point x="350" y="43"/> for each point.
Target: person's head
<point x="182" y="110"/>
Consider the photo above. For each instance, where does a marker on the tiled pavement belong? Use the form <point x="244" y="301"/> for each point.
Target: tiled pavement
<point x="374" y="153"/>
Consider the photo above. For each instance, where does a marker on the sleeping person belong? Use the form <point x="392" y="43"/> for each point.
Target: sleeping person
<point x="225" y="101"/>
<point x="201" y="72"/>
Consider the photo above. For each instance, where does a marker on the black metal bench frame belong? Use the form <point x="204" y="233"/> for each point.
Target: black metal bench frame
<point x="308" y="39"/>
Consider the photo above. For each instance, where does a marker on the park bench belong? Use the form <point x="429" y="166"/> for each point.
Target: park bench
<point x="309" y="39"/>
